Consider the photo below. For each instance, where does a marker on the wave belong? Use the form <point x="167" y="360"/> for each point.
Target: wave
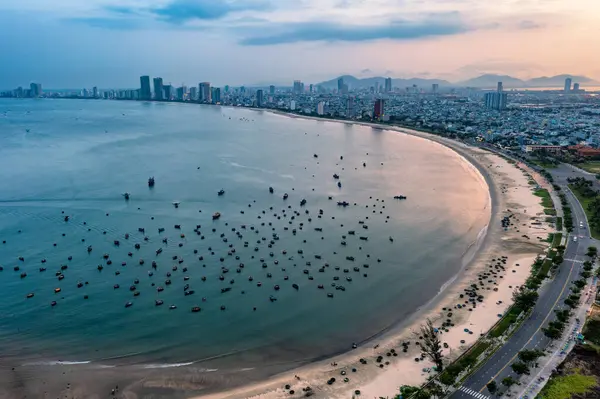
<point x="166" y="365"/>
<point x="58" y="363"/>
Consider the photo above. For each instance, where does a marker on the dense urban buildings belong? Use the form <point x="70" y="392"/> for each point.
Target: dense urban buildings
<point x="558" y="117"/>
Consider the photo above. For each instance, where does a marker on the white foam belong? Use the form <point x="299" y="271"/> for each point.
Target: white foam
<point x="167" y="365"/>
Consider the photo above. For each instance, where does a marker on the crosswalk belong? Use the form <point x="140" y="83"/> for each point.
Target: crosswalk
<point x="473" y="393"/>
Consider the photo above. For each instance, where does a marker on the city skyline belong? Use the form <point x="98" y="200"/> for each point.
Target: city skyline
<point x="260" y="42"/>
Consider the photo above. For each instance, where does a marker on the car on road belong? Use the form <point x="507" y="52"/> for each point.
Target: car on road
<point x="575" y="238"/>
<point x="581" y="225"/>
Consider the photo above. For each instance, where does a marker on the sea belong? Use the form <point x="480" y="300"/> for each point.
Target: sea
<point x="278" y="281"/>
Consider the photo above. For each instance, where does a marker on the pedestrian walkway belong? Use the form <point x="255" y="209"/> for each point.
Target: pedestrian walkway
<point x="473" y="393"/>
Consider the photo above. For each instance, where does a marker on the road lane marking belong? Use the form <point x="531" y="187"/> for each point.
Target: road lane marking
<point x="567" y="281"/>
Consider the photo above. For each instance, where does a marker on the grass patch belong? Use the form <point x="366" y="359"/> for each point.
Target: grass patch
<point x="565" y="387"/>
<point x="550" y="238"/>
<point x="506" y="321"/>
<point x="469" y="359"/>
<point x="590" y="166"/>
<point x="556" y="239"/>
<point x="550" y="211"/>
<point x="544" y="164"/>
<point x="585" y="201"/>
<point x="559" y="224"/>
<point x="545" y="268"/>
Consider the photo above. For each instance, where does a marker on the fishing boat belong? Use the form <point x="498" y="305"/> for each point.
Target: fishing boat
<point x="216" y="215"/>
<point x="151" y="182"/>
<point x="126" y="195"/>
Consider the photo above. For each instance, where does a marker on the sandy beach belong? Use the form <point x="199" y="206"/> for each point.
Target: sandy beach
<point x="510" y="193"/>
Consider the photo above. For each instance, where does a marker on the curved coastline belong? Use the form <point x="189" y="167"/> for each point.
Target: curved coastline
<point x="400" y="327"/>
<point x="484" y="239"/>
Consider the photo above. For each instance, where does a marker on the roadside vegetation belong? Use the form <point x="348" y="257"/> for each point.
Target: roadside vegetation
<point x="590" y="202"/>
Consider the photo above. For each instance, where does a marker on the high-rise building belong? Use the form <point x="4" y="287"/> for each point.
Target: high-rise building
<point x="310" y="88"/>
<point x="388" y="85"/>
<point x="35" y="89"/>
<point x="292" y="105"/>
<point x="350" y="107"/>
<point x="298" y="87"/>
<point x="321" y="108"/>
<point x="226" y="88"/>
<point x="435" y="87"/>
<point x="19" y="92"/>
<point x="168" y="90"/>
<point x="259" y="98"/>
<point x="378" y="109"/>
<point x="216" y="95"/>
<point x="85" y="93"/>
<point x="158" y="89"/>
<point x="340" y="84"/>
<point x="180" y="93"/>
<point x="575" y="86"/>
<point x="193" y="93"/>
<point x="500" y="88"/>
<point x="145" y="91"/>
<point x="568" y="85"/>
<point x="204" y="92"/>
<point x="271" y="90"/>
<point x="496" y="100"/>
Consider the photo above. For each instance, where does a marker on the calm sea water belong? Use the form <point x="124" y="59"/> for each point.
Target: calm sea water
<point x="79" y="157"/>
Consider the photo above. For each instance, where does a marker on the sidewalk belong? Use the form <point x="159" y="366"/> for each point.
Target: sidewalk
<point x="560" y="348"/>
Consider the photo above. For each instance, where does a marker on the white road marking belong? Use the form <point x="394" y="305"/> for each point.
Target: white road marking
<point x="473" y="393"/>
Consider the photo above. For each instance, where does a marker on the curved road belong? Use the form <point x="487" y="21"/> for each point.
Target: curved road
<point x="552" y="295"/>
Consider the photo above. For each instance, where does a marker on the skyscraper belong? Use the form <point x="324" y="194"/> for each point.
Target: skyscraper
<point x="388" y="85"/>
<point x="204" y="92"/>
<point x="435" y="87"/>
<point x="193" y="93"/>
<point x="180" y="93"/>
<point x="500" y="88"/>
<point x="310" y="88"/>
<point x="350" y="107"/>
<point x="297" y="87"/>
<point x="271" y="90"/>
<point x="158" y="89"/>
<point x="259" y="98"/>
<point x="168" y="90"/>
<point x="496" y="100"/>
<point x="568" y="85"/>
<point x="575" y="86"/>
<point x="340" y="84"/>
<point x="292" y="105"/>
<point x="35" y="89"/>
<point x="378" y="109"/>
<point x="216" y="96"/>
<point x="145" y="91"/>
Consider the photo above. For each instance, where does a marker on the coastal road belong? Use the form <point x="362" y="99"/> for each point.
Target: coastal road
<point x="530" y="335"/>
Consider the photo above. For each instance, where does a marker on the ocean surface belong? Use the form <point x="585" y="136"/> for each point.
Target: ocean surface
<point x="77" y="158"/>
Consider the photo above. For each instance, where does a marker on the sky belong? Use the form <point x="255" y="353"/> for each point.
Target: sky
<point x="110" y="43"/>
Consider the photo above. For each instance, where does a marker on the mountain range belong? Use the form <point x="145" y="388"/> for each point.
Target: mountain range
<point x="483" y="81"/>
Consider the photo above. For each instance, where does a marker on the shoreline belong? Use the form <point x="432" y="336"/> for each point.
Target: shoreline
<point x="185" y="380"/>
<point x="373" y="384"/>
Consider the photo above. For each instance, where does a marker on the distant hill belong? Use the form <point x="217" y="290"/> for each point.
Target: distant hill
<point x="559" y="81"/>
<point x="491" y="81"/>
<point x="365" y="83"/>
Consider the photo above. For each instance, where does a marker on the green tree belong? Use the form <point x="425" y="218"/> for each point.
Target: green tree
<point x="520" y="368"/>
<point x="579" y="283"/>
<point x="432" y="345"/>
<point x="562" y="315"/>
<point x="529" y="356"/>
<point x="552" y="332"/>
<point x="492" y="387"/>
<point x="585" y="274"/>
<point x="592" y="251"/>
<point x="524" y="298"/>
<point x="558" y="259"/>
<point x="509" y="381"/>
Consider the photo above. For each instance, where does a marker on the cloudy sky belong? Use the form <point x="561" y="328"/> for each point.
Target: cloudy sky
<point x="110" y="43"/>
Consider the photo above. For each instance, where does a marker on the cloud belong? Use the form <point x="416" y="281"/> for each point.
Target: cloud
<point x="180" y="11"/>
<point x="109" y="23"/>
<point x="528" y="24"/>
<point x="333" y="32"/>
